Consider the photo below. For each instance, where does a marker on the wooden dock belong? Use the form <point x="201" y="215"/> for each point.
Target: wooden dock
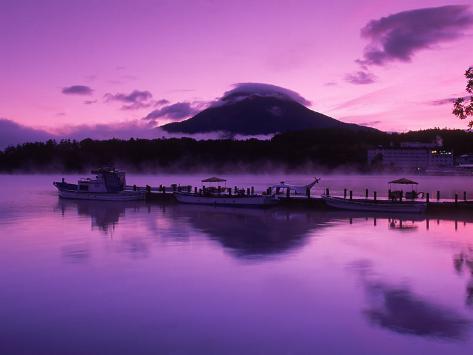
<point x="434" y="208"/>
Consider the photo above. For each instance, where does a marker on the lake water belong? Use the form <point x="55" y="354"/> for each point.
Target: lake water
<point x="82" y="277"/>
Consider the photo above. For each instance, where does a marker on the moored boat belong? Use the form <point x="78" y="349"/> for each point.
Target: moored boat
<point x="223" y="196"/>
<point x="375" y="206"/>
<point x="108" y="185"/>
<point x="224" y="199"/>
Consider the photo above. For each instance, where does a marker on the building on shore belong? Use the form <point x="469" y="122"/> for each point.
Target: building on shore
<point x="465" y="159"/>
<point x="412" y="156"/>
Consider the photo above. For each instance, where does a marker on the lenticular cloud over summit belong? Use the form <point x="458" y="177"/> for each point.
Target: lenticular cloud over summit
<point x="241" y="91"/>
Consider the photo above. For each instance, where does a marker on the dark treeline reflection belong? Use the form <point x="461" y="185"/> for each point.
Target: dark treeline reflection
<point x="245" y="232"/>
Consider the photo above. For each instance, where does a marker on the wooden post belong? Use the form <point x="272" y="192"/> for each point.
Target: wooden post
<point x="148" y="188"/>
<point x="252" y="190"/>
<point x="438" y="195"/>
<point x="456" y="199"/>
<point x="307" y="192"/>
<point x="235" y="190"/>
<point x="327" y="192"/>
<point x="464" y="196"/>
<point x="229" y="191"/>
<point x="195" y="189"/>
<point x="427" y="224"/>
<point x="366" y="193"/>
<point x="351" y="195"/>
<point x="375" y="195"/>
<point x="344" y="193"/>
<point x="288" y="191"/>
<point x="427" y="197"/>
<point x="134" y="187"/>
<point x="248" y="191"/>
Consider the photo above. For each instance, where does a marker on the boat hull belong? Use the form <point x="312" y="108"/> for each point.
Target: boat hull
<point x="103" y="196"/>
<point x="248" y="201"/>
<point x="378" y="206"/>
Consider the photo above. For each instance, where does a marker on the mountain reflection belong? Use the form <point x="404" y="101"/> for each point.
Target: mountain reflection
<point x="252" y="232"/>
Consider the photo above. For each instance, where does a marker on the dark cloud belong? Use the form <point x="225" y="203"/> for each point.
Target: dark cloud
<point x="90" y="102"/>
<point x="77" y="90"/>
<point x="136" y="99"/>
<point x="449" y="101"/>
<point x="120" y="130"/>
<point x="401" y="35"/>
<point x="161" y="102"/>
<point x="175" y="111"/>
<point x="241" y="91"/>
<point x="12" y="133"/>
<point x="360" y="78"/>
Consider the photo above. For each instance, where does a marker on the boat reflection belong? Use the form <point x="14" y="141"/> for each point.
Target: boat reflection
<point x="105" y="215"/>
<point x="245" y="231"/>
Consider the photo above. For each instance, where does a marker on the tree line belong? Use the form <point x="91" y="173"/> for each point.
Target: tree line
<point x="292" y="151"/>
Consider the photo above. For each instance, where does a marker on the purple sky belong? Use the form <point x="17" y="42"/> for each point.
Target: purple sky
<point x="388" y="64"/>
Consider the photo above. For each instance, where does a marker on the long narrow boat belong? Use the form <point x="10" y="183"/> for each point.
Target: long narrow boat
<point x="108" y="185"/>
<point x="225" y="200"/>
<point x="375" y="206"/>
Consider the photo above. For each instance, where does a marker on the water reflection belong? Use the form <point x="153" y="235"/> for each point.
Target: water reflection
<point x="463" y="263"/>
<point x="105" y="215"/>
<point x="252" y="232"/>
<point x="398" y="309"/>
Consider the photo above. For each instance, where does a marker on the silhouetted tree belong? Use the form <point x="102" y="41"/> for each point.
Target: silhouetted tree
<point x="463" y="106"/>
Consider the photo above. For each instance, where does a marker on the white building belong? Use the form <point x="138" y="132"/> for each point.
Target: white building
<point x="412" y="155"/>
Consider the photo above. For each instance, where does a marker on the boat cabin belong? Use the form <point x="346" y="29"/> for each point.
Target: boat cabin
<point x="106" y="180"/>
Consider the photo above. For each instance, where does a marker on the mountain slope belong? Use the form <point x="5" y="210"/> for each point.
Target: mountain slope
<point x="256" y="115"/>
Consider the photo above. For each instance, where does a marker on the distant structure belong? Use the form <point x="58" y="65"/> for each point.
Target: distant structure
<point x="465" y="159"/>
<point x="412" y="156"/>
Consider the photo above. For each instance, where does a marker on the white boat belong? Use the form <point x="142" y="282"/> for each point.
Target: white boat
<point x="221" y="199"/>
<point x="375" y="206"/>
<point x="108" y="185"/>
<point x="282" y="189"/>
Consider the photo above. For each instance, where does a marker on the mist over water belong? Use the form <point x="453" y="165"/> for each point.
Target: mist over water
<point x="146" y="278"/>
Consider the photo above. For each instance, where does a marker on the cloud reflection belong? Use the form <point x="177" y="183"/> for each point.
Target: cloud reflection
<point x="399" y="309"/>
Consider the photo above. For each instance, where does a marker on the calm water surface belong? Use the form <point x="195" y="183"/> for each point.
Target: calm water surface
<point x="82" y="277"/>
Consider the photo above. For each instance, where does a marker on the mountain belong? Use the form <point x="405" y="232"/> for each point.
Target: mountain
<point x="255" y="114"/>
